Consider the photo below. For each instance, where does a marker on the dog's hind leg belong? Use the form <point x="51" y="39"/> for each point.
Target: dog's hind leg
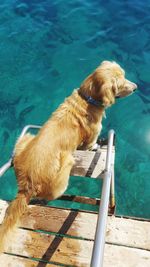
<point x="63" y="176"/>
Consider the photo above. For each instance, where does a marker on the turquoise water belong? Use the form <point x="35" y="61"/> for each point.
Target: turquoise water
<point x="46" y="49"/>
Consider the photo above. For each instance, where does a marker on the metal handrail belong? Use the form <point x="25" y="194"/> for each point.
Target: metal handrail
<point x="99" y="243"/>
<point x="27" y="127"/>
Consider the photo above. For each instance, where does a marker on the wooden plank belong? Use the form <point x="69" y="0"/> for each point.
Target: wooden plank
<point x="3" y="207"/>
<point x="14" y="261"/>
<point x="51" y="248"/>
<point x="90" y="163"/>
<point x="71" y="252"/>
<point x="118" y="256"/>
<point x="127" y="232"/>
<point x="114" y="257"/>
<point x="69" y="222"/>
<point x="84" y="162"/>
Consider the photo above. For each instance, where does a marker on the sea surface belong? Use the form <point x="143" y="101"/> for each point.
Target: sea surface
<point x="46" y="49"/>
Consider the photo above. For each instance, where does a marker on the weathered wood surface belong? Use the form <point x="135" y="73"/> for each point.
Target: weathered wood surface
<point x="73" y="252"/>
<point x="124" y="232"/>
<point x="52" y="248"/>
<point x="90" y="163"/>
<point x="128" y="232"/>
<point x="118" y="256"/>
<point x="15" y="261"/>
<point x="114" y="257"/>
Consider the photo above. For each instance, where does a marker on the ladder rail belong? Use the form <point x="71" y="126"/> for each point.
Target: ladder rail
<point x="108" y="186"/>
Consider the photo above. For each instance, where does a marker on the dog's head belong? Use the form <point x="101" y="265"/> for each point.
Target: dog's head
<point x="107" y="82"/>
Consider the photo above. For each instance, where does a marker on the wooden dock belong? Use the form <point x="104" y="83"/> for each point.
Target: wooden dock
<point x="51" y="236"/>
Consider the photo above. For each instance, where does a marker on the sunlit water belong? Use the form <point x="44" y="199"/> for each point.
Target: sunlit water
<point x="46" y="49"/>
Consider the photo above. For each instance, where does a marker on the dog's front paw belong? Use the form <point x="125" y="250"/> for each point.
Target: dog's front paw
<point x="95" y="147"/>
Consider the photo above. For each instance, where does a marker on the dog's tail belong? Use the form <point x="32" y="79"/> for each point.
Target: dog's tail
<point x="13" y="213"/>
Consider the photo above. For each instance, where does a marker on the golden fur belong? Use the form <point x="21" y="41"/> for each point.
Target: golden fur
<point x="43" y="162"/>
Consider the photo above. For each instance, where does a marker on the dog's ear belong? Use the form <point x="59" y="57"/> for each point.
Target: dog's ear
<point x="105" y="87"/>
<point x="107" y="94"/>
<point x="86" y="86"/>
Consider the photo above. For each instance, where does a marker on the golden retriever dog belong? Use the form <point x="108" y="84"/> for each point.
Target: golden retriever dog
<point x="43" y="162"/>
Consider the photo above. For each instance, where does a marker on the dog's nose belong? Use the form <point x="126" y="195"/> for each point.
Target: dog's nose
<point x="134" y="86"/>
